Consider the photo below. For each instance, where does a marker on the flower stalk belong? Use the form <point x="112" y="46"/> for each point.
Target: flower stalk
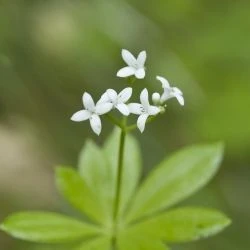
<point x="118" y="183"/>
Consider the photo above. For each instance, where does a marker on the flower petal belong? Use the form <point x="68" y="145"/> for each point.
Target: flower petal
<point x="103" y="108"/>
<point x="88" y="102"/>
<point x="135" y="108"/>
<point x="112" y="95"/>
<point x="177" y="91"/>
<point x="96" y="124"/>
<point x="166" y="95"/>
<point x="180" y="99"/>
<point x="141" y="59"/>
<point x="128" y="58"/>
<point x="123" y="108"/>
<point x="144" y="98"/>
<point x="140" y="73"/>
<point x="125" y="94"/>
<point x="126" y="71"/>
<point x="141" y="121"/>
<point x="104" y="98"/>
<point x="81" y="115"/>
<point x="164" y="81"/>
<point x="153" y="110"/>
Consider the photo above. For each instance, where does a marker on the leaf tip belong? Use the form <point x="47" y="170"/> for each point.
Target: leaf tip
<point x="3" y="227"/>
<point x="220" y="146"/>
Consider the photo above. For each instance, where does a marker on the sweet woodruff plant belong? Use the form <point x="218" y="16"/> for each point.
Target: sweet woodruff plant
<point x="117" y="211"/>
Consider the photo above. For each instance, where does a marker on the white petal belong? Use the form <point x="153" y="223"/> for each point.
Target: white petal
<point x="144" y="98"/>
<point x="81" y="115"/>
<point x="104" y="98"/>
<point x="141" y="59"/>
<point x="166" y="95"/>
<point x="123" y="108"/>
<point x="112" y="95"/>
<point x="96" y="124"/>
<point x="153" y="110"/>
<point x="128" y="58"/>
<point x="88" y="102"/>
<point x="103" y="108"/>
<point x="140" y="73"/>
<point x="135" y="108"/>
<point x="177" y="91"/>
<point x="180" y="99"/>
<point x="126" y="71"/>
<point x="164" y="81"/>
<point x="125" y="94"/>
<point x="141" y="122"/>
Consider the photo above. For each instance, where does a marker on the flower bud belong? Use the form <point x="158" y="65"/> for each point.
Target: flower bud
<point x="156" y="98"/>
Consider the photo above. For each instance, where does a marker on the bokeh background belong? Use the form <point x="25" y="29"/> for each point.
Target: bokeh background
<point x="52" y="51"/>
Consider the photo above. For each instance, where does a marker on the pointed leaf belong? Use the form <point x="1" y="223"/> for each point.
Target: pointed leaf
<point x="132" y="165"/>
<point x="138" y="242"/>
<point x="74" y="189"/>
<point x="46" y="227"/>
<point x="183" y="224"/>
<point x="94" y="169"/>
<point x="99" y="243"/>
<point x="176" y="178"/>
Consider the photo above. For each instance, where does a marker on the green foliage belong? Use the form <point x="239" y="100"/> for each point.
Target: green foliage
<point x="182" y="224"/>
<point x="47" y="227"/>
<point x="139" y="242"/>
<point x="92" y="192"/>
<point x="98" y="168"/>
<point x="77" y="193"/>
<point x="95" y="172"/>
<point x="176" y="178"/>
<point x="100" y="243"/>
<point x="132" y="165"/>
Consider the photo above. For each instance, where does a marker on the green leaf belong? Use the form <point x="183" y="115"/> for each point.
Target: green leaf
<point x="94" y="169"/>
<point x="132" y="165"/>
<point x="183" y="224"/>
<point x="74" y="189"/>
<point x="46" y="227"/>
<point x="176" y="178"/>
<point x="100" y="243"/>
<point x="129" y="241"/>
<point x="99" y="170"/>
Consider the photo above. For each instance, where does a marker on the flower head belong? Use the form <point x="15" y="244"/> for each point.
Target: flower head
<point x="144" y="110"/>
<point x="117" y="100"/>
<point x="170" y="92"/>
<point x="92" y="112"/>
<point x="135" y="66"/>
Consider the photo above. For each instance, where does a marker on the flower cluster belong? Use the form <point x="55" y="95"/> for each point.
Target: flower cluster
<point x="112" y="100"/>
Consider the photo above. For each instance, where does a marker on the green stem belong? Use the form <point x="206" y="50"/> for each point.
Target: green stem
<point x="118" y="183"/>
<point x="119" y="174"/>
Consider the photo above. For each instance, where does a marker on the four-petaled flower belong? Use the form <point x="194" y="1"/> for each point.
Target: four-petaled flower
<point x="117" y="100"/>
<point x="135" y="66"/>
<point x="144" y="110"/>
<point x="92" y="112"/>
<point x="170" y="92"/>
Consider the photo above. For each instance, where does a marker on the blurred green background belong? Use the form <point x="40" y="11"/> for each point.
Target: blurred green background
<point x="53" y="51"/>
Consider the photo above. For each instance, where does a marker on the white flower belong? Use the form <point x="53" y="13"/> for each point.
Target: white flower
<point x="144" y="110"/>
<point x="117" y="100"/>
<point x="135" y="66"/>
<point x="92" y="112"/>
<point x="170" y="92"/>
